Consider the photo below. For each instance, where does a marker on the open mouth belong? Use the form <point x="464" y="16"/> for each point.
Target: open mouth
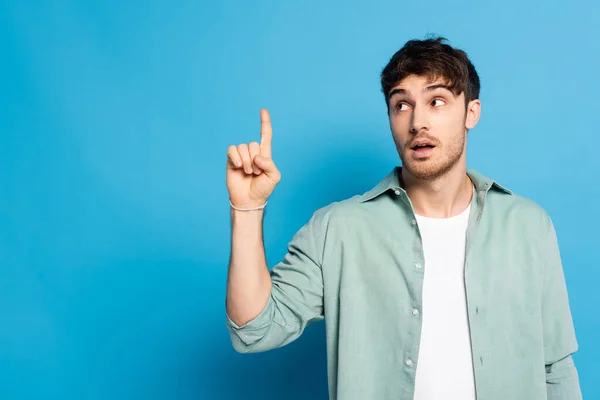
<point x="422" y="149"/>
<point x="423" y="146"/>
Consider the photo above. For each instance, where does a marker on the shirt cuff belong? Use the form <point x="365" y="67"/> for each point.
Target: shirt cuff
<point x="252" y="331"/>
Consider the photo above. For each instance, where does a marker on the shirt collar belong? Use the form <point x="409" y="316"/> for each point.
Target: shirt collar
<point x="392" y="182"/>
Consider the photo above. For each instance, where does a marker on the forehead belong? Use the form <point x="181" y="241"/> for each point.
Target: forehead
<point x="417" y="84"/>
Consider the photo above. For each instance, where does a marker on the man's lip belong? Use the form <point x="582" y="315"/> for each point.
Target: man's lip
<point x="421" y="141"/>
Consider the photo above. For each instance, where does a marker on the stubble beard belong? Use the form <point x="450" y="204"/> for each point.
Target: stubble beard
<point x="437" y="165"/>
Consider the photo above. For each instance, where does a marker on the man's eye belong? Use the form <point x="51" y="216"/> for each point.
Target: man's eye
<point x="400" y="105"/>
<point x="440" y="102"/>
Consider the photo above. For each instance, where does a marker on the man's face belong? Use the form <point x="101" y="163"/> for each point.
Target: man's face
<point x="429" y="125"/>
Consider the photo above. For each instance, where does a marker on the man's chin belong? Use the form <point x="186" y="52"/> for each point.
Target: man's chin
<point x="425" y="170"/>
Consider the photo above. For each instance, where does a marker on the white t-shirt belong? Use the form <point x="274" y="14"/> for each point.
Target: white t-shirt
<point x="445" y="364"/>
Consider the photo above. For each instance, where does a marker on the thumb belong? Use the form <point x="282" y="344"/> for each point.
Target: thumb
<point x="266" y="164"/>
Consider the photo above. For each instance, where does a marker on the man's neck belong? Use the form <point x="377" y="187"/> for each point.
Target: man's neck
<point x="444" y="197"/>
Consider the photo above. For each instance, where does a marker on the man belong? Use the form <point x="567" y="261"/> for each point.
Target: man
<point x="439" y="283"/>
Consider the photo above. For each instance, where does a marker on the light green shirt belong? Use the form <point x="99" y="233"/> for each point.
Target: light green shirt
<point x="359" y="265"/>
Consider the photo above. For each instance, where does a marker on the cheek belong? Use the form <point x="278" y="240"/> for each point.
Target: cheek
<point x="400" y="124"/>
<point x="399" y="132"/>
<point x="445" y="117"/>
<point x="447" y="123"/>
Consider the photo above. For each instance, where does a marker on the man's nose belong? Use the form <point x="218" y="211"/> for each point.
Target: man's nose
<point x="419" y="120"/>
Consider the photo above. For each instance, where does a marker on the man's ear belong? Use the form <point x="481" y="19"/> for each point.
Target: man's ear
<point x="473" y="113"/>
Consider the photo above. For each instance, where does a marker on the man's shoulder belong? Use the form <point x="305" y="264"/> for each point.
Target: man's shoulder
<point x="518" y="209"/>
<point x="338" y="208"/>
<point x="337" y="213"/>
<point x="505" y="201"/>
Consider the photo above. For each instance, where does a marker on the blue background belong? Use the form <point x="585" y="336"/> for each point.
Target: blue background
<point x="114" y="125"/>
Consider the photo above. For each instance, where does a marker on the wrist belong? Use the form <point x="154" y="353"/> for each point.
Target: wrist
<point x="246" y="219"/>
<point x="246" y="208"/>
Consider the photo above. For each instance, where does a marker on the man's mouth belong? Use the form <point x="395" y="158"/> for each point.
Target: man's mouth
<point x="422" y="148"/>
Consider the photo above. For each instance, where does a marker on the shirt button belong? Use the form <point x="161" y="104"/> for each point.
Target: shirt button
<point x="418" y="266"/>
<point x="414" y="222"/>
<point x="409" y="362"/>
<point x="397" y="192"/>
<point x="415" y="312"/>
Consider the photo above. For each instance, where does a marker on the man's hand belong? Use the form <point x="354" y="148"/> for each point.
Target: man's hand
<point x="251" y="172"/>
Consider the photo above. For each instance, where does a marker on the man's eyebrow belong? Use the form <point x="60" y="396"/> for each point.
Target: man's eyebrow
<point x="429" y="88"/>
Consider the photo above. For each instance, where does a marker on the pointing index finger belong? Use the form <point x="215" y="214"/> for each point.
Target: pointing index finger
<point x="266" y="133"/>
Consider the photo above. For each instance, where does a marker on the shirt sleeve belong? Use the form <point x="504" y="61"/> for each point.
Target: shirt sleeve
<point x="562" y="380"/>
<point x="296" y="298"/>
<point x="560" y="342"/>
